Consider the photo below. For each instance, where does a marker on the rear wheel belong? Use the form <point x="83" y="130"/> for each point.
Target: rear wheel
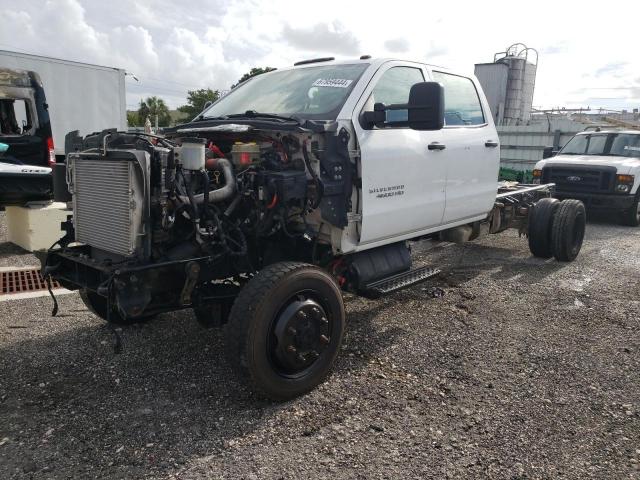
<point x="567" y="232"/>
<point x="97" y="304"/>
<point x="632" y="216"/>
<point x="285" y="329"/>
<point x="540" y="222"/>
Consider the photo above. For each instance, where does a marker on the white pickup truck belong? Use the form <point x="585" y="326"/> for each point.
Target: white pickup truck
<point x="601" y="168"/>
<point x="298" y="185"/>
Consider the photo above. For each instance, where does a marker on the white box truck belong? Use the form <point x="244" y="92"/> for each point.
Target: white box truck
<point x="80" y="96"/>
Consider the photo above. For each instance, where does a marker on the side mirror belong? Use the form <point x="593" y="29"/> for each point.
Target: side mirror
<point x="375" y="118"/>
<point x="548" y="152"/>
<point x="425" y="110"/>
<point x="426" y="106"/>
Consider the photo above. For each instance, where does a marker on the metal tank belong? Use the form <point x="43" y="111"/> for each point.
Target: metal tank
<point x="523" y="63"/>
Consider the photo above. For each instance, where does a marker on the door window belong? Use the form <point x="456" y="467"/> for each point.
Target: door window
<point x="392" y="88"/>
<point x="461" y="101"/>
<point x="14" y="117"/>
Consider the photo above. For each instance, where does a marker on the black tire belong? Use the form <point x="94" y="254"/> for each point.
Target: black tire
<point x="97" y="304"/>
<point x="631" y="217"/>
<point x="212" y="315"/>
<point x="540" y="222"/>
<point x="258" y="338"/>
<point x="568" y="228"/>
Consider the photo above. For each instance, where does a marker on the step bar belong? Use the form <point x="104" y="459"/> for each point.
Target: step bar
<point x="398" y="282"/>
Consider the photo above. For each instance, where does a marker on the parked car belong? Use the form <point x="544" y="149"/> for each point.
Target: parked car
<point x="599" y="167"/>
<point x="296" y="186"/>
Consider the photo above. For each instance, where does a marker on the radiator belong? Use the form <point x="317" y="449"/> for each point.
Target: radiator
<point x="107" y="203"/>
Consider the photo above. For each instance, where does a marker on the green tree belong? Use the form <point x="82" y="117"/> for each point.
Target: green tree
<point x="252" y="73"/>
<point x="196" y="100"/>
<point x="133" y="119"/>
<point x="151" y="107"/>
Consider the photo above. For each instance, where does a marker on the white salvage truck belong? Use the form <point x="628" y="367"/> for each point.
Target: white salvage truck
<point x="298" y="185"/>
<point x="600" y="167"/>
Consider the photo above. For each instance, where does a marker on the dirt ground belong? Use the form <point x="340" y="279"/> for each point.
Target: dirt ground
<point x="523" y="369"/>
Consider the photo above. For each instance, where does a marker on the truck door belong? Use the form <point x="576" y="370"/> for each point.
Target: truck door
<point x="403" y="177"/>
<point x="473" y="150"/>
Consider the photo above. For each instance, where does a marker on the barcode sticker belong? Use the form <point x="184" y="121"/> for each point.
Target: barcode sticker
<point x="332" y="82"/>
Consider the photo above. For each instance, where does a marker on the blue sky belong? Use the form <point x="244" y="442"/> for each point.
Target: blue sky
<point x="588" y="56"/>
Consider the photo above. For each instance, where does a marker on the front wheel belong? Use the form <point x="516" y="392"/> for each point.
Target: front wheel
<point x="285" y="329"/>
<point x="632" y="216"/>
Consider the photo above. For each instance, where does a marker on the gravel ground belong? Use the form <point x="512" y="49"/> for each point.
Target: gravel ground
<point x="523" y="369"/>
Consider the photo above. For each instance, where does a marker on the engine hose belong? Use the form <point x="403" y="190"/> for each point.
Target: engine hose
<point x="221" y="193"/>
<point x="231" y="208"/>
<point x="190" y="198"/>
<point x="205" y="187"/>
<point x="241" y="242"/>
<point x="317" y="181"/>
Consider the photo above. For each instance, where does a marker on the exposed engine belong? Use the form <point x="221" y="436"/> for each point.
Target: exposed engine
<point x="146" y="198"/>
<point x="165" y="223"/>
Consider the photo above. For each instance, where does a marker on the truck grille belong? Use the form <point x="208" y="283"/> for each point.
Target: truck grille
<point x="580" y="180"/>
<point x="103" y="198"/>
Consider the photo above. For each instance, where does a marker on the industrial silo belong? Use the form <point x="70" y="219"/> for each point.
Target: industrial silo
<point x="509" y="82"/>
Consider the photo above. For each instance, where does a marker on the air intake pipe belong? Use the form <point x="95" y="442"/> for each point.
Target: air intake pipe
<point x="221" y="193"/>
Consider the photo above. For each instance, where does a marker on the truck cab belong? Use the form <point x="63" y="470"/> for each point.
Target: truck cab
<point x="410" y="182"/>
<point x="601" y="168"/>
<point x="415" y="182"/>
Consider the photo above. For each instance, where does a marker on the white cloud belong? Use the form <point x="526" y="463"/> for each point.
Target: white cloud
<point x="322" y="37"/>
<point x="397" y="45"/>
<point x="173" y="47"/>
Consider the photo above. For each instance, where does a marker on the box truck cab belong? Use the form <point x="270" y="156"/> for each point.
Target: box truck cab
<point x="601" y="168"/>
<point x="25" y="132"/>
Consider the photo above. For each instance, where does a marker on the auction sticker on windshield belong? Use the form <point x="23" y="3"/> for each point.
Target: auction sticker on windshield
<point x="332" y="82"/>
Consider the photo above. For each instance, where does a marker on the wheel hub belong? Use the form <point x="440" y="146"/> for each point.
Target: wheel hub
<point x="302" y="334"/>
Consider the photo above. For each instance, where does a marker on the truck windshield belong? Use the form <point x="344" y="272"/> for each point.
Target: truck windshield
<point x="610" y="144"/>
<point x="309" y="93"/>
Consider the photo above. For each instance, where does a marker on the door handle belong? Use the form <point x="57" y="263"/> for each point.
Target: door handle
<point x="490" y="144"/>
<point x="436" y="146"/>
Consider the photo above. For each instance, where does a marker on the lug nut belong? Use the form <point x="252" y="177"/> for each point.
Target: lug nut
<point x="291" y="331"/>
<point x="301" y="358"/>
<point x="314" y="354"/>
<point x="302" y="314"/>
<point x="324" y="339"/>
<point x="324" y="321"/>
<point x="291" y="349"/>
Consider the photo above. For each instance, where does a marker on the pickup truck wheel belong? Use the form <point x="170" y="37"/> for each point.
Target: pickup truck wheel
<point x="540" y="222"/>
<point x="568" y="228"/>
<point x="285" y="329"/>
<point x="97" y="304"/>
<point x="632" y="216"/>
